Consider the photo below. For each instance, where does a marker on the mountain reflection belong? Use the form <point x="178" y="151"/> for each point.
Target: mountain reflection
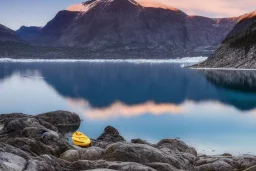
<point x="241" y="80"/>
<point x="118" y="109"/>
<point x="103" y="85"/>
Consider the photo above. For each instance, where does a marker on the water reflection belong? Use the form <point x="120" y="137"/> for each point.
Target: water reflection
<point x="104" y="84"/>
<point x="244" y="81"/>
<point x="119" y="109"/>
<point x="208" y="109"/>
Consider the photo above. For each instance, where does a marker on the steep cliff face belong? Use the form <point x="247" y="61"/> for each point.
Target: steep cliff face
<point x="145" y="30"/>
<point x="204" y="31"/>
<point x="7" y="35"/>
<point x="238" y="50"/>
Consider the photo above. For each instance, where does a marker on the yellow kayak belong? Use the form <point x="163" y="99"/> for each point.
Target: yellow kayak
<point x="80" y="139"/>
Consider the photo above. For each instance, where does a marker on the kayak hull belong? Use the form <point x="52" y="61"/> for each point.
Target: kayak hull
<point x="81" y="139"/>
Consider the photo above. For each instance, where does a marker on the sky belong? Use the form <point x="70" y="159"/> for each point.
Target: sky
<point x="15" y="13"/>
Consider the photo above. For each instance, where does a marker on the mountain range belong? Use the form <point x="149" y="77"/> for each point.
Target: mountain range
<point x="122" y="29"/>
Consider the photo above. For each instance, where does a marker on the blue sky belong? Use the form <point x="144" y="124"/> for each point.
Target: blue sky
<point x="15" y="13"/>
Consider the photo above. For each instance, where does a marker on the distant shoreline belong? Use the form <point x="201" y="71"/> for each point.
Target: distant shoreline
<point x="229" y="69"/>
<point x="177" y="60"/>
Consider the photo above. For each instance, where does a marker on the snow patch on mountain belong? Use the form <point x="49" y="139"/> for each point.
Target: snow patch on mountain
<point x="83" y="7"/>
<point x="155" y="4"/>
<point x="248" y="16"/>
<point x="76" y="8"/>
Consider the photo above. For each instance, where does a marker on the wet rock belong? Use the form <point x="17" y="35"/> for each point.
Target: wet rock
<point x="176" y="145"/>
<point x="92" y="153"/>
<point x="162" y="167"/>
<point x="70" y="155"/>
<point x="60" y="118"/>
<point x="205" y="161"/>
<point x="246" y="161"/>
<point x="102" y="170"/>
<point x="5" y="118"/>
<point x="13" y="150"/>
<point x="139" y="153"/>
<point x="122" y="166"/>
<point x="48" y="163"/>
<point x="140" y="141"/>
<point x="227" y="155"/>
<point x="211" y="159"/>
<point x="11" y="162"/>
<point x="111" y="135"/>
<point x="253" y="168"/>
<point x="37" y="136"/>
<point x="215" y="166"/>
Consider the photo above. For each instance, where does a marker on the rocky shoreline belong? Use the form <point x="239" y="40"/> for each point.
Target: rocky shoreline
<point x="23" y="147"/>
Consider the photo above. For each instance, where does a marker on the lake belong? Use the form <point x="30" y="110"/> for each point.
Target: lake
<point x="212" y="110"/>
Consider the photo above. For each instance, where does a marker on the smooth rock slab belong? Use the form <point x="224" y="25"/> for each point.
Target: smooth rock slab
<point x="246" y="161"/>
<point x="253" y="168"/>
<point x="91" y="153"/>
<point x="122" y="166"/>
<point x="215" y="166"/>
<point x="176" y="145"/>
<point x="11" y="162"/>
<point x="139" y="153"/>
<point x="70" y="155"/>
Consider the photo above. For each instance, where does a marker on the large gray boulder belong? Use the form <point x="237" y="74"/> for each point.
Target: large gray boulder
<point x="109" y="136"/>
<point x="38" y="135"/>
<point x="143" y="154"/>
<point x="246" y="161"/>
<point x="60" y="118"/>
<point x="11" y="162"/>
<point x="175" y="145"/>
<point x="215" y="166"/>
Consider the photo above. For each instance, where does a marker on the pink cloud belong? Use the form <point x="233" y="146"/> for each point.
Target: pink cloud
<point x="119" y="109"/>
<point x="211" y="8"/>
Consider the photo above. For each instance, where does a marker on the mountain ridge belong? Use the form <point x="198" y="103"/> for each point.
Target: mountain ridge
<point x="238" y="50"/>
<point x="7" y="34"/>
<point x="119" y="26"/>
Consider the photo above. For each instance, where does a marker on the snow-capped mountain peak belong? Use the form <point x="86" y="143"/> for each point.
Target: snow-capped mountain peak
<point x="76" y="7"/>
<point x="83" y="7"/>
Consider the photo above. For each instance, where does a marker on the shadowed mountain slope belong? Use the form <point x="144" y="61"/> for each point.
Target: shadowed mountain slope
<point x="238" y="50"/>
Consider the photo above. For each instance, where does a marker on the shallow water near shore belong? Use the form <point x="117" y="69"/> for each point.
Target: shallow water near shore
<point x="212" y="110"/>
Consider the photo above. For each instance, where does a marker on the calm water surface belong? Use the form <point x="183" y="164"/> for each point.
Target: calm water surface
<point x="215" y="111"/>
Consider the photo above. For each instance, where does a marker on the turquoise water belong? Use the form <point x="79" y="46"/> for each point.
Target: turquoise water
<point x="211" y="110"/>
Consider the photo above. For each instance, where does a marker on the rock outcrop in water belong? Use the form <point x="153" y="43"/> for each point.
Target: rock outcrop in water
<point x="238" y="50"/>
<point x="34" y="143"/>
